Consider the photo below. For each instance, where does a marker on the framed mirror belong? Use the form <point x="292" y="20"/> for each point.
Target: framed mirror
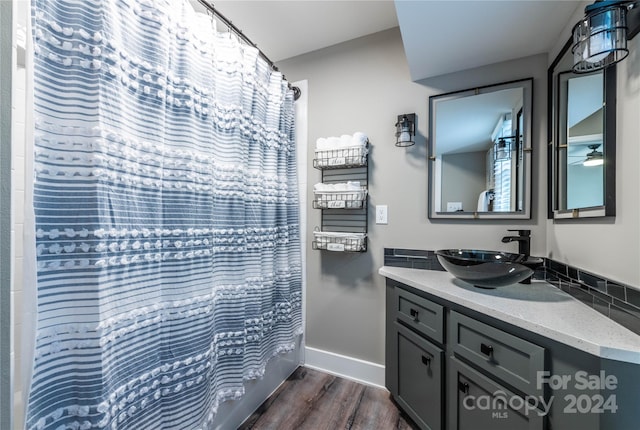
<point x="480" y="152"/>
<point x="582" y="140"/>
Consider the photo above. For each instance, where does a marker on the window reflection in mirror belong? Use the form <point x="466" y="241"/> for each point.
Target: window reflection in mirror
<point x="479" y="165"/>
<point x="581" y="139"/>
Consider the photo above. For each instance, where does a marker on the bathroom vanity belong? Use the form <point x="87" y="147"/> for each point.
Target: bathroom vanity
<point x="522" y="357"/>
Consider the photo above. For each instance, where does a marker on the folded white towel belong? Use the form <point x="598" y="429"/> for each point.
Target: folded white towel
<point x="345" y="141"/>
<point x="338" y="241"/>
<point x="336" y="234"/>
<point x="346" y="195"/>
<point x="483" y="201"/>
<point x="343" y="186"/>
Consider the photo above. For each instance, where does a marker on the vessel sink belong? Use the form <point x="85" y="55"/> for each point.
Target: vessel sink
<point x="487" y="269"/>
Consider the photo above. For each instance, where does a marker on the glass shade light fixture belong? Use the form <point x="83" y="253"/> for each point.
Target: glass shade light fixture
<point x="502" y="148"/>
<point x="594" y="158"/>
<point x="600" y="38"/>
<point x="406" y="129"/>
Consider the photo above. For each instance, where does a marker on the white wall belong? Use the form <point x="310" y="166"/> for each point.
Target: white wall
<point x="464" y="177"/>
<point x="362" y="85"/>
<point x="610" y="247"/>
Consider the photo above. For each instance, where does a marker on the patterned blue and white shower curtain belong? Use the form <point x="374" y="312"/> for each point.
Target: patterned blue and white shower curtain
<point x="167" y="236"/>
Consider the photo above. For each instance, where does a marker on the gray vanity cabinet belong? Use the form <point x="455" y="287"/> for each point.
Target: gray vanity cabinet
<point x="450" y="367"/>
<point x="427" y="375"/>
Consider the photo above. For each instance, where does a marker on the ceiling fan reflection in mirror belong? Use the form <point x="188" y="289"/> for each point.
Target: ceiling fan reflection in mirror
<point x="593" y="158"/>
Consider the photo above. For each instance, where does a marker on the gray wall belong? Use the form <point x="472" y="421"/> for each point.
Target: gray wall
<point x="464" y="177"/>
<point x="362" y="85"/>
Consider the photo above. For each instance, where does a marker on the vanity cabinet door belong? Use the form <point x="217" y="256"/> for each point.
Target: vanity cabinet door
<point x="479" y="403"/>
<point x="420" y="374"/>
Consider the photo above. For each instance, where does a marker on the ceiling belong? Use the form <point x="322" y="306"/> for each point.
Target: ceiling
<point x="439" y="36"/>
<point x="285" y="29"/>
<point x="447" y="36"/>
<point x="466" y="124"/>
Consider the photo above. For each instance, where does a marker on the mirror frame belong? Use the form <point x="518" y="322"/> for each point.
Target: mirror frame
<point x="608" y="208"/>
<point x="527" y="110"/>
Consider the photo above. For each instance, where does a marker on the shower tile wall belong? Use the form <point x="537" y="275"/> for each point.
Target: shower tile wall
<point x="302" y="124"/>
<point x="18" y="143"/>
<point x="17" y="230"/>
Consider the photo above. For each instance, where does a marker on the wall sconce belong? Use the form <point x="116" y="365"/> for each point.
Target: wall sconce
<point x="502" y="148"/>
<point x="600" y="38"/>
<point x="406" y="129"/>
<point x="594" y="158"/>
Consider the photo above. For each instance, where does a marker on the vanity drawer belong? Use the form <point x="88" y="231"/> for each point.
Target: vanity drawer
<point x="513" y="360"/>
<point x="421" y="314"/>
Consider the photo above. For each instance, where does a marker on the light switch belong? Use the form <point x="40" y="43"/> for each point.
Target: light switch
<point x="381" y="214"/>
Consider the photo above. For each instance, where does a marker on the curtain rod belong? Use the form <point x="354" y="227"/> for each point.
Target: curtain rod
<point x="227" y="22"/>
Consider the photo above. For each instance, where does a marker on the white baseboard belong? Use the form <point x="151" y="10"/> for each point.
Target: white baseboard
<point x="355" y="369"/>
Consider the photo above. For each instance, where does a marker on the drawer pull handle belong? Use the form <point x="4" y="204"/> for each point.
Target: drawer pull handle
<point x="426" y="361"/>
<point x="464" y="387"/>
<point x="414" y="314"/>
<point x="486" y="349"/>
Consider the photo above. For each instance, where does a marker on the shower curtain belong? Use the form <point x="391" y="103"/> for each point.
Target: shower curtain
<point x="165" y="197"/>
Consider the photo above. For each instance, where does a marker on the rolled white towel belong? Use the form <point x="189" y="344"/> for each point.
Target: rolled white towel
<point x="345" y="140"/>
<point x="359" y="138"/>
<point x="333" y="142"/>
<point x="326" y="143"/>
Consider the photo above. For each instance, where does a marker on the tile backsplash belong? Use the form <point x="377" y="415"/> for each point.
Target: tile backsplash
<point x="617" y="301"/>
<point x="412" y="259"/>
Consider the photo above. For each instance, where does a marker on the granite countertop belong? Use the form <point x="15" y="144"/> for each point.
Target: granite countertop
<point x="539" y="307"/>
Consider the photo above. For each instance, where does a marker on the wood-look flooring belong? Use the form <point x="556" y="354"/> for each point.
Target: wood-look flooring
<point x="312" y="400"/>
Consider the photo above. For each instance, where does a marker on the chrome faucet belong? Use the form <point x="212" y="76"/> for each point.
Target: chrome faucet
<point x="524" y="241"/>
